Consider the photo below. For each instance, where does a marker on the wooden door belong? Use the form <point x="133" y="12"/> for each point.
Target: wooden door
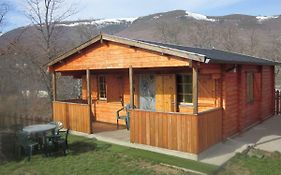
<point x="165" y="93"/>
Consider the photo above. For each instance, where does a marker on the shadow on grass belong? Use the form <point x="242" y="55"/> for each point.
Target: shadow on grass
<point x="84" y="146"/>
<point x="9" y="150"/>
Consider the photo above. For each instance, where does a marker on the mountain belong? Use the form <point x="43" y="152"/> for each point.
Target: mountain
<point x="22" y="58"/>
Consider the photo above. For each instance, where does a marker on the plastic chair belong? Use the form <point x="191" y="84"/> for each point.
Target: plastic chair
<point x="59" y="126"/>
<point x="62" y="142"/>
<point x="124" y="117"/>
<point x="25" y="143"/>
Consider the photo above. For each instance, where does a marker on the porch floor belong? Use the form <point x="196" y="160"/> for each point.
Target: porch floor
<point x="99" y="127"/>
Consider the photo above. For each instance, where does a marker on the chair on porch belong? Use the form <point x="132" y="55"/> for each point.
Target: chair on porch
<point x="126" y="117"/>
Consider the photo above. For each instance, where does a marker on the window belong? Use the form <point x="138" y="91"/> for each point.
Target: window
<point x="250" y="87"/>
<point x="184" y="88"/>
<point x="102" y="87"/>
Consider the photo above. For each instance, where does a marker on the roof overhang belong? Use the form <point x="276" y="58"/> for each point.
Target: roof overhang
<point x="134" y="43"/>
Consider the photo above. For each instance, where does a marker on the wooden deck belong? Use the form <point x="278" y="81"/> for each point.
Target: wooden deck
<point x="104" y="127"/>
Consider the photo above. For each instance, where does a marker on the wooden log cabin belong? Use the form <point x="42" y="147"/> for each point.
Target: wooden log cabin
<point x="186" y="99"/>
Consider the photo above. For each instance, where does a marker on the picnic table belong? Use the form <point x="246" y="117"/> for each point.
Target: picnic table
<point x="39" y="128"/>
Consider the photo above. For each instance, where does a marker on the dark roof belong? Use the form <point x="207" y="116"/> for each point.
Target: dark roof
<point x="219" y="56"/>
<point x="190" y="53"/>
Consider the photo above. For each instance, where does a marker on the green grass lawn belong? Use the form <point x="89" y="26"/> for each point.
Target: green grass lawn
<point x="88" y="156"/>
<point x="255" y="162"/>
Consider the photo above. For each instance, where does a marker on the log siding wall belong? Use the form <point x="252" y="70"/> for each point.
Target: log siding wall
<point x="239" y="114"/>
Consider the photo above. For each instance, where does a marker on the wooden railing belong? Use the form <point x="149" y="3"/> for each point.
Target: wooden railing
<point x="277" y="102"/>
<point x="177" y="131"/>
<point x="73" y="115"/>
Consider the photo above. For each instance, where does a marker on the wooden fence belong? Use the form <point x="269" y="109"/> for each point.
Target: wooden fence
<point x="277" y="102"/>
<point x="73" y="115"/>
<point x="177" y="131"/>
<point x="17" y="122"/>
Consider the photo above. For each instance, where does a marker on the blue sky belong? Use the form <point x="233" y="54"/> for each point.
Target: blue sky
<point x="132" y="8"/>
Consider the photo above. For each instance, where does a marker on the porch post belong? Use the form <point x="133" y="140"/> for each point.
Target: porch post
<point x="195" y="89"/>
<point x="131" y="86"/>
<point x="88" y="79"/>
<point x="54" y="86"/>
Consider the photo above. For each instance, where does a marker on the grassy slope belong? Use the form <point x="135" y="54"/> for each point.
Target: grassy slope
<point x="88" y="156"/>
<point x="261" y="164"/>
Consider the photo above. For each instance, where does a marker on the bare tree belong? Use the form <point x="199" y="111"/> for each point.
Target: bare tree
<point x="3" y="12"/>
<point x="254" y="43"/>
<point x="46" y="15"/>
<point x="168" y="33"/>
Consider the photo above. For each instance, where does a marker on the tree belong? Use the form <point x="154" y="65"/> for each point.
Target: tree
<point x="168" y="33"/>
<point x="3" y="12"/>
<point x="46" y="15"/>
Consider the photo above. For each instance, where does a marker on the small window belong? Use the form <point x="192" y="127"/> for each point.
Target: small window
<point x="250" y="87"/>
<point x="102" y="87"/>
<point x="184" y="88"/>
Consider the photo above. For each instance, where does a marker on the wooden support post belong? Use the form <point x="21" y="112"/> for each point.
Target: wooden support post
<point x="54" y="86"/>
<point x="131" y="86"/>
<point x="88" y="79"/>
<point x="277" y="102"/>
<point x="195" y="89"/>
<point x="260" y="94"/>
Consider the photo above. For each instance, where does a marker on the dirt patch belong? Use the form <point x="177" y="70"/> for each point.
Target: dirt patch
<point x="162" y="169"/>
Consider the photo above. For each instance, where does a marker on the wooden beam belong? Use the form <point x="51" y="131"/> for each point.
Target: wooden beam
<point x="195" y="89"/>
<point x="88" y="79"/>
<point x="131" y="86"/>
<point x="54" y="86"/>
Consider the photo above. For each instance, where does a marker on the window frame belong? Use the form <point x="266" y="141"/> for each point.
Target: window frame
<point x="184" y="93"/>
<point x="99" y="88"/>
<point x="250" y="87"/>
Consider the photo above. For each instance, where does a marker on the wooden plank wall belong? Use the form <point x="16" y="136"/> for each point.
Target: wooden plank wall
<point x="117" y="86"/>
<point x="209" y="128"/>
<point x="73" y="116"/>
<point x="176" y="131"/>
<point x="110" y="55"/>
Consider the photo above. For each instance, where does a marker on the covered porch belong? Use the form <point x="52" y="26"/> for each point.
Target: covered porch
<point x="176" y="101"/>
<point x="159" y="118"/>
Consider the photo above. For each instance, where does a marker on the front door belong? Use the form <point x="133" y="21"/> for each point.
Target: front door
<point x="147" y="92"/>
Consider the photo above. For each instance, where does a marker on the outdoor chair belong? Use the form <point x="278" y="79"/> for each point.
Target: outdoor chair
<point x="59" y="129"/>
<point x="62" y="142"/>
<point x="24" y="142"/>
<point x="126" y="117"/>
<point x="59" y="126"/>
